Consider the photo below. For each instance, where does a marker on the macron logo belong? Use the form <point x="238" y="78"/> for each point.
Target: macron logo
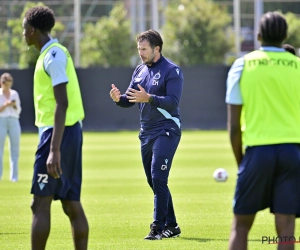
<point x="177" y="70"/>
<point x="53" y="53"/>
<point x="42" y="185"/>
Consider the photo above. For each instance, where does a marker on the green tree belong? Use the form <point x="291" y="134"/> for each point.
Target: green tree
<point x="195" y="32"/>
<point x="293" y="31"/>
<point x="108" y="42"/>
<point x="26" y="56"/>
<point x="4" y="49"/>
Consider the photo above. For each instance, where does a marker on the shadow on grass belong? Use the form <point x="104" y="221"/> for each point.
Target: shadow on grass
<point x="211" y="239"/>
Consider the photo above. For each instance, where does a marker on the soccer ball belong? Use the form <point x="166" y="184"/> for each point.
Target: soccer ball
<point x="220" y="175"/>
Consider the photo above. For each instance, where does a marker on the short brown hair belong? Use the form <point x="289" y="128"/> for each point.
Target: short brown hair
<point x="153" y="37"/>
<point x="6" y="77"/>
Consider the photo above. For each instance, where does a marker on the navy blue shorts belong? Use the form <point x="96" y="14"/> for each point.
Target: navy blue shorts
<point x="68" y="186"/>
<point x="269" y="176"/>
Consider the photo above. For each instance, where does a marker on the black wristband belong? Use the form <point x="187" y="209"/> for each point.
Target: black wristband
<point x="150" y="99"/>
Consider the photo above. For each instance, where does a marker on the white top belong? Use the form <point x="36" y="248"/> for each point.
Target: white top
<point x="10" y="111"/>
<point x="55" y="63"/>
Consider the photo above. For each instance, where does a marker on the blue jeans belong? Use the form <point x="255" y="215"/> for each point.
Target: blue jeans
<point x="10" y="126"/>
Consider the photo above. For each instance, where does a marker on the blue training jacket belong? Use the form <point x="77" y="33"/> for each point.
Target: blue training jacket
<point x="164" y="81"/>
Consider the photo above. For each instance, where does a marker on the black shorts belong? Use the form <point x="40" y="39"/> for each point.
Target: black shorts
<point x="68" y="186"/>
<point x="269" y="176"/>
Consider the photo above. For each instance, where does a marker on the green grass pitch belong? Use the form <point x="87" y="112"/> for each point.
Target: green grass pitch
<point x="119" y="203"/>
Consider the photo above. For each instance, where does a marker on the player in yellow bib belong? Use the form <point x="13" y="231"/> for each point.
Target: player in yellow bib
<point x="58" y="112"/>
<point x="264" y="87"/>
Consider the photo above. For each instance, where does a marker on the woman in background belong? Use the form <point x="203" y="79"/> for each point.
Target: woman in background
<point x="10" y="109"/>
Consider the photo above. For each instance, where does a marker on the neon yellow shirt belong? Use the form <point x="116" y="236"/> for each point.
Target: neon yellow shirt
<point x="270" y="87"/>
<point x="44" y="100"/>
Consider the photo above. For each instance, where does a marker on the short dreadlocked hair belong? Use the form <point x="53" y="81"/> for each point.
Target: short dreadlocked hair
<point x="153" y="37"/>
<point x="273" y="28"/>
<point x="289" y="48"/>
<point x="41" y="17"/>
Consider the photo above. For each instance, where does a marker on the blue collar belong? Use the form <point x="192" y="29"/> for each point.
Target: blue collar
<point x="157" y="62"/>
<point x="272" y="48"/>
<point x="53" y="40"/>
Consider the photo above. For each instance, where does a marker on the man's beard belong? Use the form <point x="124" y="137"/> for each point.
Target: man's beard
<point x="150" y="60"/>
